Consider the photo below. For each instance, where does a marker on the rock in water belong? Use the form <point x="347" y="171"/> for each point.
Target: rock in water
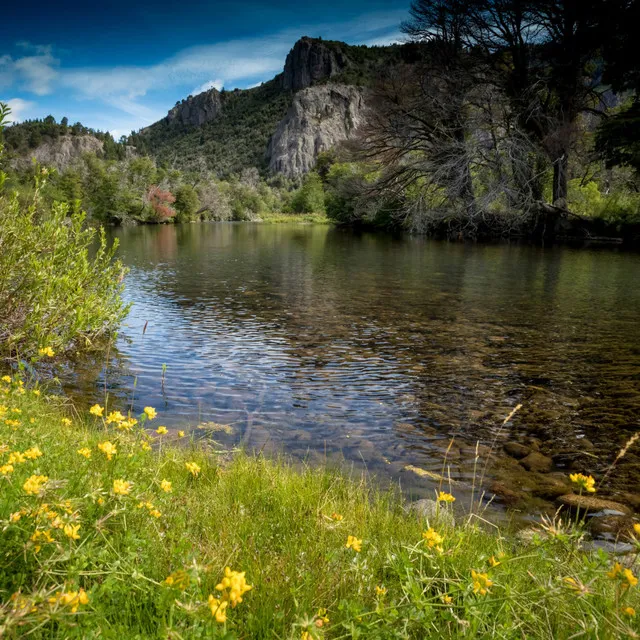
<point x="318" y="119"/>
<point x="517" y="450"/>
<point x="589" y="503"/>
<point x="537" y="462"/>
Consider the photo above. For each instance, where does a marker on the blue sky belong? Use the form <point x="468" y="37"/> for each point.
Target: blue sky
<point x="120" y="65"/>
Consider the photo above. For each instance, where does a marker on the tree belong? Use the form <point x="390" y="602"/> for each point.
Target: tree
<point x="186" y="203"/>
<point x="310" y="197"/>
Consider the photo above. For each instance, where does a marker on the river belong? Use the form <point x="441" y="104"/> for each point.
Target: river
<point x="375" y="351"/>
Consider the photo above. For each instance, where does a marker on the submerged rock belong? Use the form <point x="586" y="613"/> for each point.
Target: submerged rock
<point x="611" y="527"/>
<point x="589" y="503"/>
<point x="537" y="462"/>
<point x="517" y="450"/>
<point x="550" y="487"/>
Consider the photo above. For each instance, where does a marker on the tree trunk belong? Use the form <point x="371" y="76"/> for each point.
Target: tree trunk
<point x="560" y="177"/>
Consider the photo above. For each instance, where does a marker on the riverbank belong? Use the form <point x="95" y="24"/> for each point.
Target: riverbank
<point x="115" y="529"/>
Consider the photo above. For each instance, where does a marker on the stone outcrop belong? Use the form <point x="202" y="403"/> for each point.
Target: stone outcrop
<point x="319" y="118"/>
<point x="311" y="60"/>
<point x="63" y="151"/>
<point x="196" y="110"/>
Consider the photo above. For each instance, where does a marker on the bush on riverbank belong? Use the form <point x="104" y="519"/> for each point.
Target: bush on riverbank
<point x="104" y="535"/>
<point x="54" y="292"/>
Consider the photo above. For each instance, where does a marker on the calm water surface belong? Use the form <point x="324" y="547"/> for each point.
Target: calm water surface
<point x="328" y="344"/>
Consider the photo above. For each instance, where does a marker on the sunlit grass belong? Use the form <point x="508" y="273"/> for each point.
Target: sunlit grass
<point x="106" y="535"/>
<point x="279" y="218"/>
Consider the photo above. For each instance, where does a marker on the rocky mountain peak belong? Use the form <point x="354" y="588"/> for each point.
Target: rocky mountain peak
<point x="196" y="110"/>
<point x="311" y="60"/>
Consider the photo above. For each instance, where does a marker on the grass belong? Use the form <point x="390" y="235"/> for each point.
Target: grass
<point x="279" y="218"/>
<point x="286" y="528"/>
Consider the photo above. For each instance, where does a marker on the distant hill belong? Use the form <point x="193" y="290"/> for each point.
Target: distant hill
<point x="57" y="143"/>
<point x="227" y="131"/>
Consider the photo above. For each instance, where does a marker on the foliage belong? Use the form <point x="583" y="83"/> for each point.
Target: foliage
<point x="187" y="203"/>
<point x="113" y="530"/>
<point x="310" y="197"/>
<point x="59" y="287"/>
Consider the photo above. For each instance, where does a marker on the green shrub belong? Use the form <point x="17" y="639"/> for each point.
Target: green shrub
<point x="310" y="196"/>
<point x="57" y="289"/>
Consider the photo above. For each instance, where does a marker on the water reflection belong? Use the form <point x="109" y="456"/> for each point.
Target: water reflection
<point x="328" y="343"/>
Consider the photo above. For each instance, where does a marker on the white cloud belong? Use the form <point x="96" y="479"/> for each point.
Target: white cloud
<point x="19" y="109"/>
<point x="212" y="84"/>
<point x="35" y="74"/>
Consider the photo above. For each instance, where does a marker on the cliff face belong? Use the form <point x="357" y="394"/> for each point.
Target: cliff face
<point x="309" y="61"/>
<point x="319" y="118"/>
<point x="196" y="110"/>
<point x="63" y="151"/>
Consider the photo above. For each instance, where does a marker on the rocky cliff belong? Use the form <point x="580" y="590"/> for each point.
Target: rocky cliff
<point x="319" y="118"/>
<point x="312" y="60"/>
<point x="196" y="110"/>
<point x="62" y="151"/>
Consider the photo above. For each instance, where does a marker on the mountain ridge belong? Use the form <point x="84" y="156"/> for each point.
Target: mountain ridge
<point x="228" y="131"/>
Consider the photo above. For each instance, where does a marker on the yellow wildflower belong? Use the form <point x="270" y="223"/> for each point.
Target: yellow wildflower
<point x="15" y="457"/>
<point x="233" y="586"/>
<point x="193" y="468"/>
<point x="108" y="449"/>
<point x="586" y="483"/>
<point x="218" y="609"/>
<point x="337" y="517"/>
<point x="493" y="562"/>
<point x="433" y="539"/>
<point x="354" y="543"/>
<point x="481" y="582"/>
<point x="12" y="423"/>
<point x="33" y="453"/>
<point x="39" y="535"/>
<point x="15" y="516"/>
<point x="86" y="452"/>
<point x="181" y="434"/>
<point x="155" y="513"/>
<point x="321" y="618"/>
<point x="127" y="424"/>
<point x="615" y="571"/>
<point x="629" y="611"/>
<point x="145" y="446"/>
<point x="446" y="599"/>
<point x="631" y="580"/>
<point x="33" y="484"/>
<point x="162" y="430"/>
<point x="115" y="416"/>
<point x="66" y="422"/>
<point x="178" y="580"/>
<point x="71" y="599"/>
<point x="443" y="496"/>
<point x="381" y="591"/>
<point x="636" y="529"/>
<point x="6" y="379"/>
<point x="36" y="392"/>
<point x="150" y="412"/>
<point x="6" y="469"/>
<point x="71" y="531"/>
<point x="165" y="485"/>
<point x="46" y="351"/>
<point x="96" y="410"/>
<point x="122" y="487"/>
